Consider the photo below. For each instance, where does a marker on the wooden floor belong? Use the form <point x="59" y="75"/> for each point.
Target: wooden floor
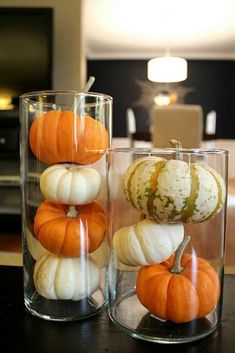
<point x="10" y="242"/>
<point x="10" y="249"/>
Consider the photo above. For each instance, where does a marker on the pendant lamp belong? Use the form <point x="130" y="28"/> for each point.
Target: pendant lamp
<point x="167" y="69"/>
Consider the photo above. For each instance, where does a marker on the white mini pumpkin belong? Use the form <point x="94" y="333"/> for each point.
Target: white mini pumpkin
<point x="34" y="246"/>
<point x="147" y="242"/>
<point x="101" y="254"/>
<point x="65" y="278"/>
<point x="173" y="190"/>
<point x="70" y="184"/>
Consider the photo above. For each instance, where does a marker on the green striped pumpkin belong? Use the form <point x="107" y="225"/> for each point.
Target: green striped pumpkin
<point x="173" y="190"/>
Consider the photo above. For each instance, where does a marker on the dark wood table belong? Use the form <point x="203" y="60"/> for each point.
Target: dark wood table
<point x="21" y="332"/>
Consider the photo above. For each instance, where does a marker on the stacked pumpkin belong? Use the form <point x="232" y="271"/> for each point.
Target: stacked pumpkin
<point x="171" y="284"/>
<point x="70" y="224"/>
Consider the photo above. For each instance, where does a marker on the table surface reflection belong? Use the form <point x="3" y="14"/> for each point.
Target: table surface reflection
<point x="21" y="332"/>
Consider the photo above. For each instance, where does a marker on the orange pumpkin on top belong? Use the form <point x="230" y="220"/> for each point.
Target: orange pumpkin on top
<point x="59" y="136"/>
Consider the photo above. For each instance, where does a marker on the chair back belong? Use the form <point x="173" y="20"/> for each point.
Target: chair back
<point x="181" y="122"/>
<point x="130" y="121"/>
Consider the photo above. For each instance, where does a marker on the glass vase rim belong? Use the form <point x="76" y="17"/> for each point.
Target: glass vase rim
<point x="26" y="96"/>
<point x="167" y="150"/>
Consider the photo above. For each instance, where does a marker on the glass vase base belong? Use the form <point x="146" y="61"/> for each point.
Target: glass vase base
<point x="63" y="310"/>
<point x="138" y="322"/>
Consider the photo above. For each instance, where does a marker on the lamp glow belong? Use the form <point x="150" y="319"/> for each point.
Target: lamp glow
<point x="5" y="102"/>
<point x="167" y="69"/>
<point x="162" y="99"/>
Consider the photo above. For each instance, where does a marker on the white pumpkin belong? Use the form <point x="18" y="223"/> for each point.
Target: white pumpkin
<point x="101" y="254"/>
<point x="173" y="190"/>
<point x="70" y="184"/>
<point x="147" y="242"/>
<point x="34" y="246"/>
<point x="122" y="267"/>
<point x="65" y="278"/>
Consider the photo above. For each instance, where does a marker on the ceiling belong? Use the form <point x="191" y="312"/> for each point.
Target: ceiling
<point x="195" y="29"/>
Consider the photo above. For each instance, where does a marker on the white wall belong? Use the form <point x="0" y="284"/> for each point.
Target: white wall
<point x="69" y="62"/>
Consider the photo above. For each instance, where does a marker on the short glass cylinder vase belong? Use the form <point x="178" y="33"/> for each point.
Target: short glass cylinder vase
<point x="167" y="230"/>
<point x="64" y="135"/>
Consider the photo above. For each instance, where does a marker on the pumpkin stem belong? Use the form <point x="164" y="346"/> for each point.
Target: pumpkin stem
<point x="176" y="267"/>
<point x="177" y="145"/>
<point x="143" y="216"/>
<point x="70" y="168"/>
<point x="71" y="212"/>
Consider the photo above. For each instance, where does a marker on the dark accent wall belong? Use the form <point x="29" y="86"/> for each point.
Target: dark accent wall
<point x="213" y="82"/>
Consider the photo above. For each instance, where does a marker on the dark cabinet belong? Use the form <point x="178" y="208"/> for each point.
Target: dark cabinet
<point x="9" y="170"/>
<point x="9" y="134"/>
<point x="9" y="140"/>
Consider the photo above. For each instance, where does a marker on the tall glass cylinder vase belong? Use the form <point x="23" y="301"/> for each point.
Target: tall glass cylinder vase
<point x="167" y="229"/>
<point x="64" y="202"/>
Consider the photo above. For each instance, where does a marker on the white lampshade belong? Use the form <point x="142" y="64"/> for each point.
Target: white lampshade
<point x="167" y="69"/>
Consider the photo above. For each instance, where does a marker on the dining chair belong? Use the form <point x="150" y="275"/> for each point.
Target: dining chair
<point x="136" y="138"/>
<point x="182" y="122"/>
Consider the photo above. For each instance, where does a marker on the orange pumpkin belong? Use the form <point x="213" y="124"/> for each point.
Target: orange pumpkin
<point x="70" y="230"/>
<point x="179" y="297"/>
<point x="58" y="136"/>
